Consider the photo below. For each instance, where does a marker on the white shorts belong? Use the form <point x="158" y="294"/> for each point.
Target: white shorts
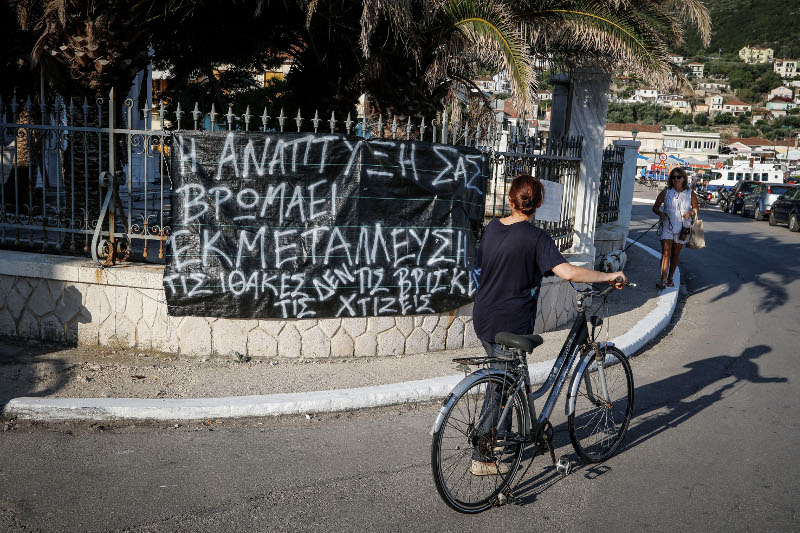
<point x="673" y="236"/>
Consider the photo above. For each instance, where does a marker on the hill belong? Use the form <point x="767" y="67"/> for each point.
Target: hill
<point x="738" y="23"/>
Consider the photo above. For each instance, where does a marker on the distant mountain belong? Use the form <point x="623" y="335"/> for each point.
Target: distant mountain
<point x="738" y="23"/>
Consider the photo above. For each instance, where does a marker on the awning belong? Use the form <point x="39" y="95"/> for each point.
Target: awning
<point x="791" y="155"/>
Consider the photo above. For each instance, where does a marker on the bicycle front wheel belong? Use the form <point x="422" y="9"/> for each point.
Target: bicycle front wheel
<point x="475" y="455"/>
<point x="603" y="407"/>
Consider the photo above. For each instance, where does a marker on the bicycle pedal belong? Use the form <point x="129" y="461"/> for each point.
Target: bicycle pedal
<point x="564" y="466"/>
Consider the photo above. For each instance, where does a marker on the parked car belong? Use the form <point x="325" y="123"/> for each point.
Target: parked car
<point x="733" y="204"/>
<point x="759" y="202"/>
<point x="786" y="210"/>
<point x="792" y="180"/>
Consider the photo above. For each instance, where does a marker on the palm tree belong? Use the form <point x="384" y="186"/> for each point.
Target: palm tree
<point x="418" y="52"/>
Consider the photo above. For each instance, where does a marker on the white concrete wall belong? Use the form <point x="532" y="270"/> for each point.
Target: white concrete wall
<point x="69" y="300"/>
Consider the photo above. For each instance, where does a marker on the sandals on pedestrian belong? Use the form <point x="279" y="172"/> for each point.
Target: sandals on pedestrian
<point x="670" y="283"/>
<point x="660" y="286"/>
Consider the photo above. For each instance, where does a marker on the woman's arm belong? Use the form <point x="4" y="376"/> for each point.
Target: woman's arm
<point x="658" y="202"/>
<point x="695" y="207"/>
<point x="578" y="274"/>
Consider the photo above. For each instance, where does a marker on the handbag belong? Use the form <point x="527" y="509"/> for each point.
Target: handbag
<point x="697" y="238"/>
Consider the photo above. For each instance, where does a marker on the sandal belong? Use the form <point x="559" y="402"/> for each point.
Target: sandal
<point x="670" y="284"/>
<point x="660" y="286"/>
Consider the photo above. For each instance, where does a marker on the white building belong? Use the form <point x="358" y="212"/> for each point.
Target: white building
<point x="736" y="107"/>
<point x="645" y="94"/>
<point x="675" y="58"/>
<point x="696" y="69"/>
<point x="715" y="104"/>
<point x="780" y="92"/>
<point x="682" y="144"/>
<point x="786" y="68"/>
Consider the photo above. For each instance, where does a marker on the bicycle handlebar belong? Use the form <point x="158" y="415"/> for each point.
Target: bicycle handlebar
<point x="603" y="292"/>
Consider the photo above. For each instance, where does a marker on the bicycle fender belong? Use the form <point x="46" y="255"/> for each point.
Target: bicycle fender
<point x="572" y="391"/>
<point x="459" y="389"/>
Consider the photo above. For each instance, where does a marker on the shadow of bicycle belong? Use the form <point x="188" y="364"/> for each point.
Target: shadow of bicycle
<point x="659" y="406"/>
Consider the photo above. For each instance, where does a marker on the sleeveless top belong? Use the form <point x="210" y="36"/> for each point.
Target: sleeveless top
<point x="675" y="205"/>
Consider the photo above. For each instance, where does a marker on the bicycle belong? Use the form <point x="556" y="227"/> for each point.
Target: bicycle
<point x="491" y="412"/>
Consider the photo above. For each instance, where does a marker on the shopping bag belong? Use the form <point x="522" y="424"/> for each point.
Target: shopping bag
<point x="697" y="238"/>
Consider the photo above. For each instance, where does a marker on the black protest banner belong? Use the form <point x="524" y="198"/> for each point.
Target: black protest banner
<point x="318" y="226"/>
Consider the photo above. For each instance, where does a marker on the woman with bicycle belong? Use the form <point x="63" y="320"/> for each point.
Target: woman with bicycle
<point x="513" y="257"/>
<point x="675" y="206"/>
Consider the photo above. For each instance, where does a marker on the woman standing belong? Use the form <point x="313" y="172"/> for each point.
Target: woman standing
<point x="676" y="205"/>
<point x="513" y="257"/>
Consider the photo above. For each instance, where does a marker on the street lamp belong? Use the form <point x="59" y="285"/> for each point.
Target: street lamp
<point x="633" y="133"/>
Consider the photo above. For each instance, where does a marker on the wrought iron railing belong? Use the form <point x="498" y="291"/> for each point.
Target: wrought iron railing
<point x="610" y="183"/>
<point x="92" y="177"/>
<point x="555" y="160"/>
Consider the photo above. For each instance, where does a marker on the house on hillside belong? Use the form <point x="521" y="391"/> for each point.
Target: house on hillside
<point x="702" y="108"/>
<point x="780" y="92"/>
<point x="544" y="96"/>
<point x="715" y="104"/>
<point x="680" y="104"/>
<point x="756" y="54"/>
<point x="696" y="69"/>
<point x="760" y="113"/>
<point x="786" y="68"/>
<point x="649" y="136"/>
<point x="645" y="94"/>
<point x="486" y="85"/>
<point x="675" y="58"/>
<point x="715" y="86"/>
<point x="736" y="107"/>
<point x="779" y="106"/>
<point x="758" y="146"/>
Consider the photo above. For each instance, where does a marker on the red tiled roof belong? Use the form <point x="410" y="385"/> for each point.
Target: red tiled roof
<point x="737" y="102"/>
<point x="781" y="99"/>
<point x="760" y="110"/>
<point x="690" y="64"/>
<point x="758" y="141"/>
<point x="641" y="128"/>
<point x="645" y="89"/>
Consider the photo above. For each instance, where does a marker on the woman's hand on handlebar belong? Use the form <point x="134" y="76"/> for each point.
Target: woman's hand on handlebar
<point x="617" y="280"/>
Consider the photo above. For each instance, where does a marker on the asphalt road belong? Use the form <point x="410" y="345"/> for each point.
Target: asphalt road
<point x="710" y="448"/>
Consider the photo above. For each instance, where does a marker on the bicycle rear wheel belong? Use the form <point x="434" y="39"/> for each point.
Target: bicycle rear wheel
<point x="470" y="430"/>
<point x="599" y="422"/>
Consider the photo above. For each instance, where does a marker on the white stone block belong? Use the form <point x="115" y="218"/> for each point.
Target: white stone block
<point x="366" y="345"/>
<point x="144" y="335"/>
<point x="134" y="307"/>
<point x="429" y="323"/>
<point x="28" y="325"/>
<point x="329" y="326"/>
<point x="194" y="336"/>
<point x="125" y="332"/>
<point x="391" y="342"/>
<point x="273" y="327"/>
<point x="342" y="345"/>
<point x="108" y="332"/>
<point x="304" y="324"/>
<point x="405" y="324"/>
<point x="24" y="287"/>
<point x="261" y="344"/>
<point x="354" y="326"/>
<point x="7" y="324"/>
<point x="69" y="304"/>
<point x="228" y="338"/>
<point x="465" y="310"/>
<point x="40" y="301"/>
<point x="316" y="344"/>
<point x="289" y="342"/>
<point x="376" y="324"/>
<point x="15" y="303"/>
<point x="51" y="329"/>
<point x="119" y="299"/>
<point x="153" y="302"/>
<point x="88" y="333"/>
<point x="417" y="342"/>
<point x="97" y="303"/>
<point x="455" y="336"/>
<point x="437" y="339"/>
<point x="470" y="338"/>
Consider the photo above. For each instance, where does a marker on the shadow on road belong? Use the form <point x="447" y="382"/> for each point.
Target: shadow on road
<point x="658" y="407"/>
<point x="28" y="369"/>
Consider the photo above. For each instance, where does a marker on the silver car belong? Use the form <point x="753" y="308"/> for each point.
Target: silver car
<point x="759" y="202"/>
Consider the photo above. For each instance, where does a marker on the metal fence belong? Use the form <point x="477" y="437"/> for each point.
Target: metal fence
<point x="555" y="160"/>
<point x="92" y="177"/>
<point x="610" y="182"/>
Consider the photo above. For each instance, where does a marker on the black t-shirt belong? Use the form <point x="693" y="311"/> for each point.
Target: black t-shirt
<point x="512" y="259"/>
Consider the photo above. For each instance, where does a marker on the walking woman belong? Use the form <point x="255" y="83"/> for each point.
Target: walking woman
<point x="513" y="257"/>
<point x="676" y="205"/>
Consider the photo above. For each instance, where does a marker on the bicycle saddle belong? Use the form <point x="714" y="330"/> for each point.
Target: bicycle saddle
<point x="526" y="343"/>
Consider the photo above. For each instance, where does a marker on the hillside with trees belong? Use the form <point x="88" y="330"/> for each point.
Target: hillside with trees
<point x="738" y="23"/>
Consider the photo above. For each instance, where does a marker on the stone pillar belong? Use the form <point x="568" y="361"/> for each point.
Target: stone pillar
<point x="628" y="181"/>
<point x="611" y="236"/>
<point x="587" y="117"/>
<point x="560" y="109"/>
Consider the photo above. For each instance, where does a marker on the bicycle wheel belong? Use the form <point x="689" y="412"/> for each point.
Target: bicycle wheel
<point x="598" y="424"/>
<point x="470" y="430"/>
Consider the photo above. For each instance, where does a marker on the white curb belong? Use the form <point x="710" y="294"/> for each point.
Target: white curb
<point x="308" y="402"/>
<point x="643" y="201"/>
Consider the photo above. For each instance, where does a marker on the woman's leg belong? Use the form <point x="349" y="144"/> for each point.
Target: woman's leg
<point x="493" y="403"/>
<point x="674" y="258"/>
<point x="666" y="252"/>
